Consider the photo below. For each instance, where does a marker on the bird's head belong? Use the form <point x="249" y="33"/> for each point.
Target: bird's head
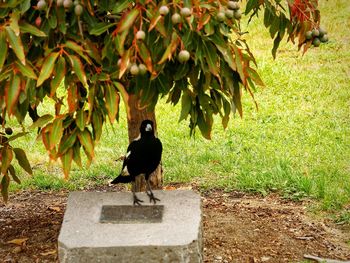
<point x="147" y="127"/>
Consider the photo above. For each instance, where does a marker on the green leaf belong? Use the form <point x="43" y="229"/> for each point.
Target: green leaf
<point x="186" y="105"/>
<point x="23" y="160"/>
<point x="18" y="135"/>
<point x="100" y="28"/>
<point x="211" y="57"/>
<point x="15" y="15"/>
<point x="59" y="73"/>
<point x="76" y="154"/>
<point x="78" y="49"/>
<point x="26" y="70"/>
<point x="13" y="174"/>
<point x="255" y="76"/>
<point x="5" y="182"/>
<point x="67" y="142"/>
<point x="66" y="160"/>
<point x="56" y="132"/>
<point x="276" y="44"/>
<point x="238" y="59"/>
<point x="41" y="121"/>
<point x="3" y="48"/>
<point x="47" y="68"/>
<point x="12" y="92"/>
<point x="204" y="126"/>
<point x="28" y="28"/>
<point x="16" y="44"/>
<point x="7" y="156"/>
<point x="112" y="102"/>
<point x="120" y="6"/>
<point x="127" y="20"/>
<point x="78" y="68"/>
<point x="97" y="125"/>
<point x="86" y="140"/>
<point x="80" y="120"/>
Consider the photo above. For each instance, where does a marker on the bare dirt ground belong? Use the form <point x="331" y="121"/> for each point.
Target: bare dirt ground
<point x="237" y="228"/>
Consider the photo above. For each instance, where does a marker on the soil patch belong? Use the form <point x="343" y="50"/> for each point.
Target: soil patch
<point x="237" y="228"/>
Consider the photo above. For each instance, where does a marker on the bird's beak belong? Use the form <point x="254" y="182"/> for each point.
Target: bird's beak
<point x="148" y="127"/>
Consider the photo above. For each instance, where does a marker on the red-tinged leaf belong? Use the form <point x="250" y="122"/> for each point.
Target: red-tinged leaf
<point x="204" y="19"/>
<point x="72" y="98"/>
<point x="127" y="20"/>
<point x="119" y="41"/>
<point x="26" y="70"/>
<point x="5" y="182"/>
<point x="81" y="120"/>
<point x="154" y="22"/>
<point x="255" y="76"/>
<point x="78" y="49"/>
<point x="78" y="68"/>
<point x="59" y="73"/>
<point x="67" y="142"/>
<point x="47" y="68"/>
<point x="97" y="125"/>
<point x="76" y="154"/>
<point x="92" y="51"/>
<point x="170" y="49"/>
<point x="12" y="92"/>
<point x="56" y="132"/>
<point x="7" y="156"/>
<point x="91" y="100"/>
<point x="13" y="174"/>
<point x="145" y="54"/>
<point x="125" y="96"/>
<point x="66" y="160"/>
<point x="41" y="121"/>
<point x="86" y="140"/>
<point x="23" y="160"/>
<point x="16" y="44"/>
<point x="112" y="102"/>
<point x="125" y="62"/>
<point x="238" y="59"/>
<point x="3" y="48"/>
<point x="45" y="134"/>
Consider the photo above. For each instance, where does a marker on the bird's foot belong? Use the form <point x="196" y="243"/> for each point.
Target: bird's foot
<point x="137" y="201"/>
<point x="152" y="198"/>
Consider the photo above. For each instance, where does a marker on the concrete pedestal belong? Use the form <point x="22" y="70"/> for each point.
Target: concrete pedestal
<point x="170" y="232"/>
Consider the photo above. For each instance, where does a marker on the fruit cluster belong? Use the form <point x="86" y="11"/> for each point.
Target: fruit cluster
<point x="317" y="36"/>
<point x="67" y="4"/>
<point x="232" y="11"/>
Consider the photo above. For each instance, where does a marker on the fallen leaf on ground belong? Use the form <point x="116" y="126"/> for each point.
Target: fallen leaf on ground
<point x="48" y="253"/>
<point x="55" y="208"/>
<point x="17" y="241"/>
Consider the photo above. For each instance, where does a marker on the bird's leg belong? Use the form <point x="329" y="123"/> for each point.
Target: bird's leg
<point x="150" y="194"/>
<point x="136" y="200"/>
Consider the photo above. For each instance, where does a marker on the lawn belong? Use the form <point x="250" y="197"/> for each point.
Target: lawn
<point x="296" y="143"/>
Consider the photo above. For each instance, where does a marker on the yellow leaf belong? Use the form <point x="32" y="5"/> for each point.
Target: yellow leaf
<point x="55" y="208"/>
<point x="48" y="253"/>
<point x="18" y="241"/>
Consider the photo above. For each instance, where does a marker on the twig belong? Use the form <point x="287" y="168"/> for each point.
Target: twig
<point x="324" y="260"/>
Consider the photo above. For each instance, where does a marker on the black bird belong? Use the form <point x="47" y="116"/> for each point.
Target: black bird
<point x="142" y="158"/>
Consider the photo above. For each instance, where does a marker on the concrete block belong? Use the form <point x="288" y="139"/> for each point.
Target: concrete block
<point x="105" y="227"/>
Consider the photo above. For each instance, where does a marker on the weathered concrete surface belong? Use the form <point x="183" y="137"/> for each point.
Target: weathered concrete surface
<point x="178" y="238"/>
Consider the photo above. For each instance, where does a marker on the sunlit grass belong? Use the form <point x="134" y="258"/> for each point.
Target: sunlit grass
<point x="296" y="143"/>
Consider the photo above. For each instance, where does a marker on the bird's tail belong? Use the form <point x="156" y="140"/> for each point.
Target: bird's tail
<point x="122" y="179"/>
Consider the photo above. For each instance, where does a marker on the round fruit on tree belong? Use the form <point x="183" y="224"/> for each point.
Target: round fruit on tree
<point x="183" y="56"/>
<point x="221" y="16"/>
<point x="316" y="42"/>
<point x="324" y="38"/>
<point x="322" y="31"/>
<point x="176" y="18"/>
<point x="229" y="13"/>
<point x="134" y="70"/>
<point x="41" y="5"/>
<point x="308" y="35"/>
<point x="78" y="10"/>
<point x="163" y="10"/>
<point x="315" y="32"/>
<point x="67" y="3"/>
<point x="140" y="35"/>
<point x="185" y="11"/>
<point x="142" y="69"/>
<point x="237" y="14"/>
<point x="233" y="5"/>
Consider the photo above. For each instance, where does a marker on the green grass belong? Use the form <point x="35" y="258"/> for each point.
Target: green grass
<point x="296" y="144"/>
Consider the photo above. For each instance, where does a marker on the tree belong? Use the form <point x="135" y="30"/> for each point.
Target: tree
<point x="88" y="55"/>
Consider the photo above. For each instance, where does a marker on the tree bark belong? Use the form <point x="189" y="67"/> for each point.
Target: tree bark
<point x="137" y="115"/>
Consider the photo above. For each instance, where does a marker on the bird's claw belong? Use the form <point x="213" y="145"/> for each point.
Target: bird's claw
<point x="137" y="201"/>
<point x="152" y="198"/>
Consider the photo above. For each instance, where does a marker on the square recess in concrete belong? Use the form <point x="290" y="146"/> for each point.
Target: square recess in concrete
<point x="105" y="227"/>
<point x="127" y="214"/>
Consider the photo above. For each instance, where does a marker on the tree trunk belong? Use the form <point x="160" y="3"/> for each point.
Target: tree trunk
<point x="137" y="115"/>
